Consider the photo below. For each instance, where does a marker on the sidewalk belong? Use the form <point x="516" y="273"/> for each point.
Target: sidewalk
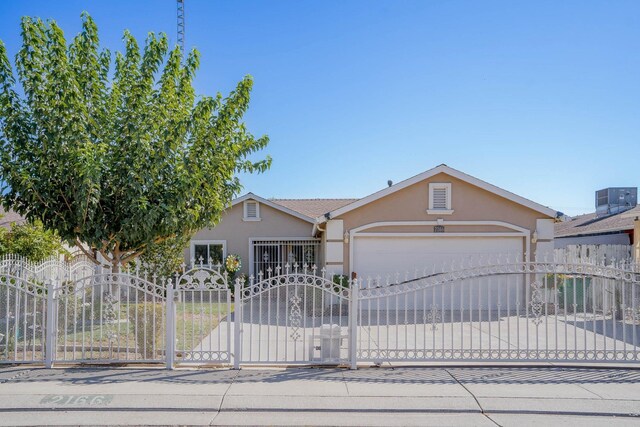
<point x="457" y="396"/>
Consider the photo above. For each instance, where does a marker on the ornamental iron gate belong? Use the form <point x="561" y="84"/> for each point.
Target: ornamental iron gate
<point x="515" y="312"/>
<point x="296" y="315"/>
<point x="202" y="309"/>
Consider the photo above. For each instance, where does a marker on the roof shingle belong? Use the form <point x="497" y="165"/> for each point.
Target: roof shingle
<point x="313" y="207"/>
<point x="590" y="224"/>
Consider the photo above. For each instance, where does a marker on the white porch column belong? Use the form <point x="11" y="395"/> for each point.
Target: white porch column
<point x="544" y="244"/>
<point x="334" y="247"/>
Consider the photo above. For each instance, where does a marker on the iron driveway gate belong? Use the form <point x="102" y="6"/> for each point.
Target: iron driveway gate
<point x="296" y="315"/>
<point x="526" y="311"/>
<point x="515" y="312"/>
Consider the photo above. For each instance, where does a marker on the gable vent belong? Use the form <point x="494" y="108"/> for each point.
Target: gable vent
<point x="252" y="210"/>
<point x="440" y="198"/>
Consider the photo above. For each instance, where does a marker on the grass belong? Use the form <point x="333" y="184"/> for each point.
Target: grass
<point x="195" y="321"/>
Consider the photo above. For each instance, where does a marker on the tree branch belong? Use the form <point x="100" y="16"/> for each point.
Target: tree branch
<point x="131" y="256"/>
<point x="89" y="254"/>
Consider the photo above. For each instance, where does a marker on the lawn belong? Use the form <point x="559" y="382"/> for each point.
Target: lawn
<point x="195" y="321"/>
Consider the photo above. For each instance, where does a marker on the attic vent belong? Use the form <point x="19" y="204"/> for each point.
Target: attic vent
<point x="251" y="211"/>
<point x="439" y="199"/>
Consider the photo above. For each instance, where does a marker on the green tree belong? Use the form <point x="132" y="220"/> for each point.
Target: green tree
<point x="165" y="258"/>
<point x="117" y="159"/>
<point x="31" y="241"/>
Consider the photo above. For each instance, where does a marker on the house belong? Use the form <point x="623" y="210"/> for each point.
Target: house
<point x="434" y="218"/>
<point x="7" y="218"/>
<point x="588" y="229"/>
<point x="611" y="224"/>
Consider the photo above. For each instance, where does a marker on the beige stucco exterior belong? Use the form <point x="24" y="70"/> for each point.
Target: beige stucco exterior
<point x="236" y="232"/>
<point x="477" y="211"/>
<point x="468" y="202"/>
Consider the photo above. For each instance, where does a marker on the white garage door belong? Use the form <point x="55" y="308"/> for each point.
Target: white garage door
<point x="391" y="255"/>
<point x="380" y="260"/>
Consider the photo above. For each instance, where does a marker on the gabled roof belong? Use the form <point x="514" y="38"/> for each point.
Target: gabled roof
<point x="313" y="207"/>
<point x="587" y="224"/>
<point x="270" y="203"/>
<point x="432" y="172"/>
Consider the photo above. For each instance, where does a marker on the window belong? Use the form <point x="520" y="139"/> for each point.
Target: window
<point x="208" y="251"/>
<point x="251" y="211"/>
<point x="440" y="199"/>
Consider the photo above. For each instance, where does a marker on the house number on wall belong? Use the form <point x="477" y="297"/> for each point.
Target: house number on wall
<point x="438" y="228"/>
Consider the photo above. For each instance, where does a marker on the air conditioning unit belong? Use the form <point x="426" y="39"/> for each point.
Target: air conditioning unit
<point x="614" y="200"/>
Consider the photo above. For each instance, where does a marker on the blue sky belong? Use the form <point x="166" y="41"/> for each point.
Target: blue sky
<point x="540" y="98"/>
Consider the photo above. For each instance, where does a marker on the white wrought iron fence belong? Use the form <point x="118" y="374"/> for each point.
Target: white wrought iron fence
<point x="23" y="319"/>
<point x="110" y="317"/>
<point x="50" y="268"/>
<point x="509" y="311"/>
<point x="620" y="255"/>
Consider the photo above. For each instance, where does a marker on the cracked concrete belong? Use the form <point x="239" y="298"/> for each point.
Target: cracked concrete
<point x="470" y="395"/>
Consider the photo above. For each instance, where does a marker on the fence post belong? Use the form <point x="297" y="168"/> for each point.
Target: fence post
<point x="237" y="314"/>
<point x="50" y="329"/>
<point x="353" y="325"/>
<point x="170" y="326"/>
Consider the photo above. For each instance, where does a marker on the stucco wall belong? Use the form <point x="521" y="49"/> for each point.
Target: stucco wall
<point x="236" y="232"/>
<point x="469" y="203"/>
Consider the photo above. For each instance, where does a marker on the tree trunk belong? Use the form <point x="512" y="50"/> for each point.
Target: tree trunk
<point x="116" y="256"/>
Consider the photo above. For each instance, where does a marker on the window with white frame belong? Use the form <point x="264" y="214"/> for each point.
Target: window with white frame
<point x="208" y="251"/>
<point x="440" y="198"/>
<point x="251" y="211"/>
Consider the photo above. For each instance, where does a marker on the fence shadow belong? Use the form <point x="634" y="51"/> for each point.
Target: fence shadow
<point x="401" y="375"/>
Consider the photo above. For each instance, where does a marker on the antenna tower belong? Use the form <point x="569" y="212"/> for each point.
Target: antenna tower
<point x="181" y="25"/>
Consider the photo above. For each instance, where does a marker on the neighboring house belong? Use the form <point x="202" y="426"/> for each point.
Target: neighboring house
<point x="7" y="218"/>
<point x="434" y="218"/>
<point x="588" y="229"/>
<point x="611" y="224"/>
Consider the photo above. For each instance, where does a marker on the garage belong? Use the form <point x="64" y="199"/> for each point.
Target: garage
<point x="377" y="258"/>
<point x="382" y="255"/>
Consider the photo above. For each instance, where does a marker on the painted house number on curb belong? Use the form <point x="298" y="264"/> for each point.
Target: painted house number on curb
<point x="73" y="399"/>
